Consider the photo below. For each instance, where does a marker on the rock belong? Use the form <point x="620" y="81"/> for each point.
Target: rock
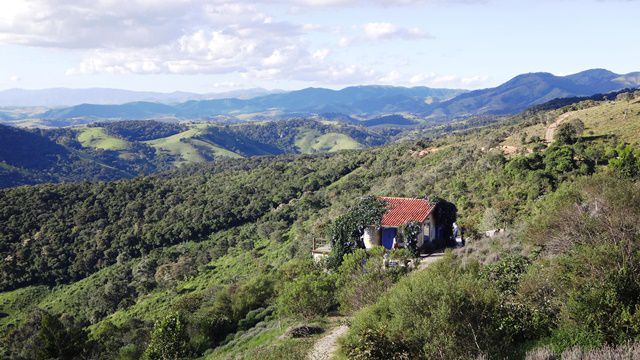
<point x="299" y="331"/>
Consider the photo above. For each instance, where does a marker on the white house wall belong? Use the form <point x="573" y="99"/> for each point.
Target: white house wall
<point x="371" y="237"/>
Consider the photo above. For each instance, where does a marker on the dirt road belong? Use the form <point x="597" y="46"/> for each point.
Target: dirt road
<point x="326" y="347"/>
<point x="548" y="136"/>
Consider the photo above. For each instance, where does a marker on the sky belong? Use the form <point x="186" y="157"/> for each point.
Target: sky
<point x="220" y="45"/>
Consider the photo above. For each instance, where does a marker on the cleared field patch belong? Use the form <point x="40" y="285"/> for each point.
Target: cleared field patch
<point x="620" y="118"/>
<point x="529" y="132"/>
<point x="97" y="138"/>
<point x="311" y="141"/>
<point x="187" y="148"/>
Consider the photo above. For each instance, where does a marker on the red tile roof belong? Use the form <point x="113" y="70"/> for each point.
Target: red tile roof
<point x="403" y="210"/>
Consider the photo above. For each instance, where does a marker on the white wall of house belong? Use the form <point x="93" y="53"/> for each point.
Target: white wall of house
<point x="428" y="230"/>
<point x="371" y="237"/>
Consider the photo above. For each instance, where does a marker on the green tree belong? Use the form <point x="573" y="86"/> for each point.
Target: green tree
<point x="60" y="341"/>
<point x="626" y="162"/>
<point x="409" y="233"/>
<point x="168" y="340"/>
<point x="347" y="230"/>
<point x="568" y="133"/>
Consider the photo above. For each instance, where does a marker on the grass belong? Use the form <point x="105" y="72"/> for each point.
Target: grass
<point x="264" y="341"/>
<point x="620" y="118"/>
<point x="311" y="141"/>
<point x="17" y="304"/>
<point x="187" y="149"/>
<point x="97" y="138"/>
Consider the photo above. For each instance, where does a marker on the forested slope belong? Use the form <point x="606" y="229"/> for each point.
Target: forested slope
<point x="124" y="149"/>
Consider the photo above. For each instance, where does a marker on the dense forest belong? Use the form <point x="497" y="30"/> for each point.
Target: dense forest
<point x="212" y="260"/>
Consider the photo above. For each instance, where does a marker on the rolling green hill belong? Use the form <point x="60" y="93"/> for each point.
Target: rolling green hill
<point x="311" y="141"/>
<point x="97" y="138"/>
<point x="112" y="150"/>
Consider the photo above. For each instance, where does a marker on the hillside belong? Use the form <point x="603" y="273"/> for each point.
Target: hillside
<point x="527" y="90"/>
<point x="618" y="119"/>
<point x="219" y="253"/>
<point x="28" y="157"/>
<point x="113" y="150"/>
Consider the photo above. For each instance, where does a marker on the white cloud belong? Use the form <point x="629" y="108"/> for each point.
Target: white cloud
<point x="321" y="54"/>
<point x="344" y="41"/>
<point x="449" y="81"/>
<point x="14" y="78"/>
<point x="198" y="37"/>
<point x="331" y="3"/>
<point x="385" y="30"/>
<point x="391" y="78"/>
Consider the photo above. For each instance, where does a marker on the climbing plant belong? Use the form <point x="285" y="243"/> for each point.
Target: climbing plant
<point x="347" y="230"/>
<point x="445" y="214"/>
<point x="409" y="233"/>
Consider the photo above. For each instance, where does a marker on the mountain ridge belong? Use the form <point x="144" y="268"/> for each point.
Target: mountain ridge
<point x="65" y="97"/>
<point x="517" y="94"/>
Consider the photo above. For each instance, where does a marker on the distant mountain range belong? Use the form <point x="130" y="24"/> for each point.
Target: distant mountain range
<point x="517" y="94"/>
<point x="528" y="90"/>
<point x="351" y="100"/>
<point x="57" y="97"/>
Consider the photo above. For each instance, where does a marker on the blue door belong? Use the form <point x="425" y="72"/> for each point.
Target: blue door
<point x="388" y="234"/>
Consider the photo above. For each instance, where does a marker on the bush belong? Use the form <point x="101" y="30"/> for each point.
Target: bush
<point x="444" y="312"/>
<point x="409" y="233"/>
<point x="168" y="340"/>
<point x="46" y="336"/>
<point x="362" y="279"/>
<point x="308" y="296"/>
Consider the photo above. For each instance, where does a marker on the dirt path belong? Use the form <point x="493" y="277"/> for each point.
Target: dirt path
<point x="428" y="260"/>
<point x="325" y="348"/>
<point x="548" y="136"/>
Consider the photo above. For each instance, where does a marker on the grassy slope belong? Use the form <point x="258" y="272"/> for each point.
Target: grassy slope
<point x="620" y="118"/>
<point x="97" y="138"/>
<point x="188" y="149"/>
<point x="311" y="141"/>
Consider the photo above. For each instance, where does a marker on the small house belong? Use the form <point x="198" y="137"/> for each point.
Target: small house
<point x="401" y="211"/>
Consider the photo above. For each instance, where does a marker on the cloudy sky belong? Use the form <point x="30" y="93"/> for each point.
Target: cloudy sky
<point x="218" y="45"/>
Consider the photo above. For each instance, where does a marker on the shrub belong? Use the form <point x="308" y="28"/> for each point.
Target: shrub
<point x="567" y="133"/>
<point x="444" y="312"/>
<point x="409" y="233"/>
<point x="168" y="340"/>
<point x="362" y="279"/>
<point x="308" y="296"/>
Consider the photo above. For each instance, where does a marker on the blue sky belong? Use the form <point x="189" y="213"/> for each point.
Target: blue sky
<point x="218" y="45"/>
